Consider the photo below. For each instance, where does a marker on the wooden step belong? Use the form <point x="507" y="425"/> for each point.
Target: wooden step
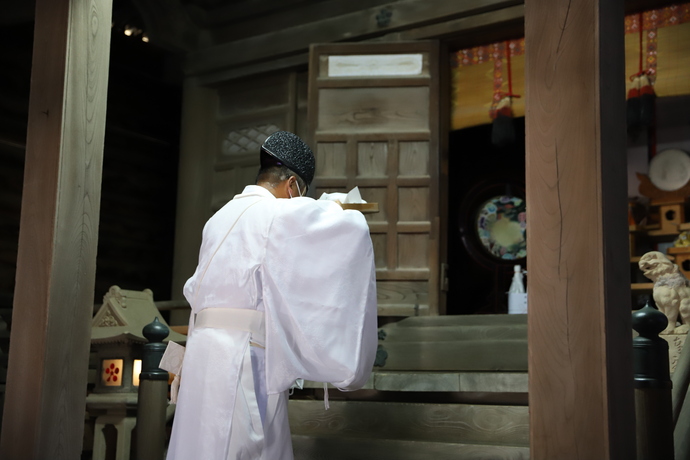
<point x="461" y="320"/>
<point x="442" y="423"/>
<point x="455" y="333"/>
<point x="466" y="355"/>
<point x="484" y="382"/>
<point x="320" y="448"/>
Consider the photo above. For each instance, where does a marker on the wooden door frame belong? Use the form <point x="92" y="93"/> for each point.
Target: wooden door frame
<point x="435" y="143"/>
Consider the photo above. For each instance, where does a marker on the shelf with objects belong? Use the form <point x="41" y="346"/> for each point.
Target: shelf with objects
<point x="660" y="225"/>
<point x="660" y="244"/>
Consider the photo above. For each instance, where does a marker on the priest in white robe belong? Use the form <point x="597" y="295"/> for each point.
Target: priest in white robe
<point x="285" y="290"/>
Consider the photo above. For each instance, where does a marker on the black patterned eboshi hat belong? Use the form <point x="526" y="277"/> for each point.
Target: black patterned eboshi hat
<point x="285" y="148"/>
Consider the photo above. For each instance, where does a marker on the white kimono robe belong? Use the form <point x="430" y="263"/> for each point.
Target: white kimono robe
<point x="309" y="266"/>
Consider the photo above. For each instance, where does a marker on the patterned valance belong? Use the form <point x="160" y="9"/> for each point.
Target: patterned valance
<point x="479" y="74"/>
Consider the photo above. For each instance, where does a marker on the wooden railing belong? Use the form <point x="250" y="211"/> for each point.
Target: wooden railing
<point x="681" y="405"/>
<point x="654" y="420"/>
<point x="662" y="405"/>
<point x="153" y="395"/>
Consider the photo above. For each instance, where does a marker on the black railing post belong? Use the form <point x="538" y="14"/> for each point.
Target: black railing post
<point x="654" y="418"/>
<point x="153" y="395"/>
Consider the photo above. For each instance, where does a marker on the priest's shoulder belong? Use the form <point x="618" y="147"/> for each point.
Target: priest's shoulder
<point x="309" y="210"/>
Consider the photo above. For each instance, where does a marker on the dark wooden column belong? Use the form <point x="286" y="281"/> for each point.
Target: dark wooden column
<point x="53" y="301"/>
<point x="581" y="385"/>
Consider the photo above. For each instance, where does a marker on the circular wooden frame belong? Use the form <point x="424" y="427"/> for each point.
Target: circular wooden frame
<point x="467" y="220"/>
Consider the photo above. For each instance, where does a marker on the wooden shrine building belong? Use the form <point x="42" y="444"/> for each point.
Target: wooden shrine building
<point x="250" y="68"/>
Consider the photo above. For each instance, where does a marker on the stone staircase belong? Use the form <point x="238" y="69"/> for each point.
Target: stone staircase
<point x="453" y="387"/>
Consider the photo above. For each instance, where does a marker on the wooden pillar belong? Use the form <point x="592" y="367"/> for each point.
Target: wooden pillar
<point x="581" y="380"/>
<point x="56" y="264"/>
<point x="198" y="147"/>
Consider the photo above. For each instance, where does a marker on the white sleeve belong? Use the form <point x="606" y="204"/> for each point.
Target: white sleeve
<point x="319" y="293"/>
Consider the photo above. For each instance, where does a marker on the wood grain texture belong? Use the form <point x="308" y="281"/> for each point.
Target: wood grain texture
<point x="463" y="320"/>
<point x="56" y="265"/>
<point x="326" y="448"/>
<point x="459" y="423"/>
<point x="331" y="158"/>
<point x="414" y="159"/>
<point x="579" y="321"/>
<point x="414" y="204"/>
<point x="393" y="209"/>
<point x="468" y="355"/>
<point x="372" y="159"/>
<point x="375" y="195"/>
<point x="391" y="131"/>
<point x="413" y="250"/>
<point x="397" y="294"/>
<point x="456" y="333"/>
<point x="478" y="382"/>
<point x="378" y="240"/>
<point x="386" y="110"/>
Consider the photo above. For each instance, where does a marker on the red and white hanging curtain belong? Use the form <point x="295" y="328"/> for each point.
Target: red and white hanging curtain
<point x="479" y="74"/>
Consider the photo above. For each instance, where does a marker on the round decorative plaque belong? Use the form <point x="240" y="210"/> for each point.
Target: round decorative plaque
<point x="670" y="169"/>
<point x="502" y="227"/>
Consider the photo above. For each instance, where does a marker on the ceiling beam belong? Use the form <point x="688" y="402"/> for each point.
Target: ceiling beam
<point x="459" y="29"/>
<point x="238" y="12"/>
<point x="359" y="25"/>
<point x="506" y="21"/>
<point x="300" y="14"/>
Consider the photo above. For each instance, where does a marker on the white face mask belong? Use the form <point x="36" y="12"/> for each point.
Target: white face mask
<point x="298" y="189"/>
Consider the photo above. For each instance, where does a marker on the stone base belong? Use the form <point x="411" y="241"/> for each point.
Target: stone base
<point x="675" y="345"/>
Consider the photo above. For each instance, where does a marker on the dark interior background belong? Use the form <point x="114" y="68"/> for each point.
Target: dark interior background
<point x="137" y="218"/>
<point x="477" y="167"/>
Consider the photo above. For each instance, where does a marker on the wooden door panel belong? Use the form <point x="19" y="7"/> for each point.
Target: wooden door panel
<point x="379" y="241"/>
<point x="383" y="110"/>
<point x="331" y="160"/>
<point x="414" y="159"/>
<point x="413" y="250"/>
<point x="376" y="195"/>
<point x="413" y="204"/>
<point x="256" y="95"/>
<point x="372" y="159"/>
<point x="386" y="130"/>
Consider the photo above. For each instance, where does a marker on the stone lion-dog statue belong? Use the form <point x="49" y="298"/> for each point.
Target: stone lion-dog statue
<point x="671" y="290"/>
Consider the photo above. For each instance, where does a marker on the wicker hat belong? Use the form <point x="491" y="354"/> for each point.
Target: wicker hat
<point x="286" y="149"/>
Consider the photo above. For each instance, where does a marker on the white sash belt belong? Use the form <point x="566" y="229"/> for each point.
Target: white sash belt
<point x="238" y="319"/>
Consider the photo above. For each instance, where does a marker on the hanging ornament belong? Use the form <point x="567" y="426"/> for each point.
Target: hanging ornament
<point x="647" y="101"/>
<point x="503" y="129"/>
<point x="632" y="105"/>
<point x="641" y="96"/>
